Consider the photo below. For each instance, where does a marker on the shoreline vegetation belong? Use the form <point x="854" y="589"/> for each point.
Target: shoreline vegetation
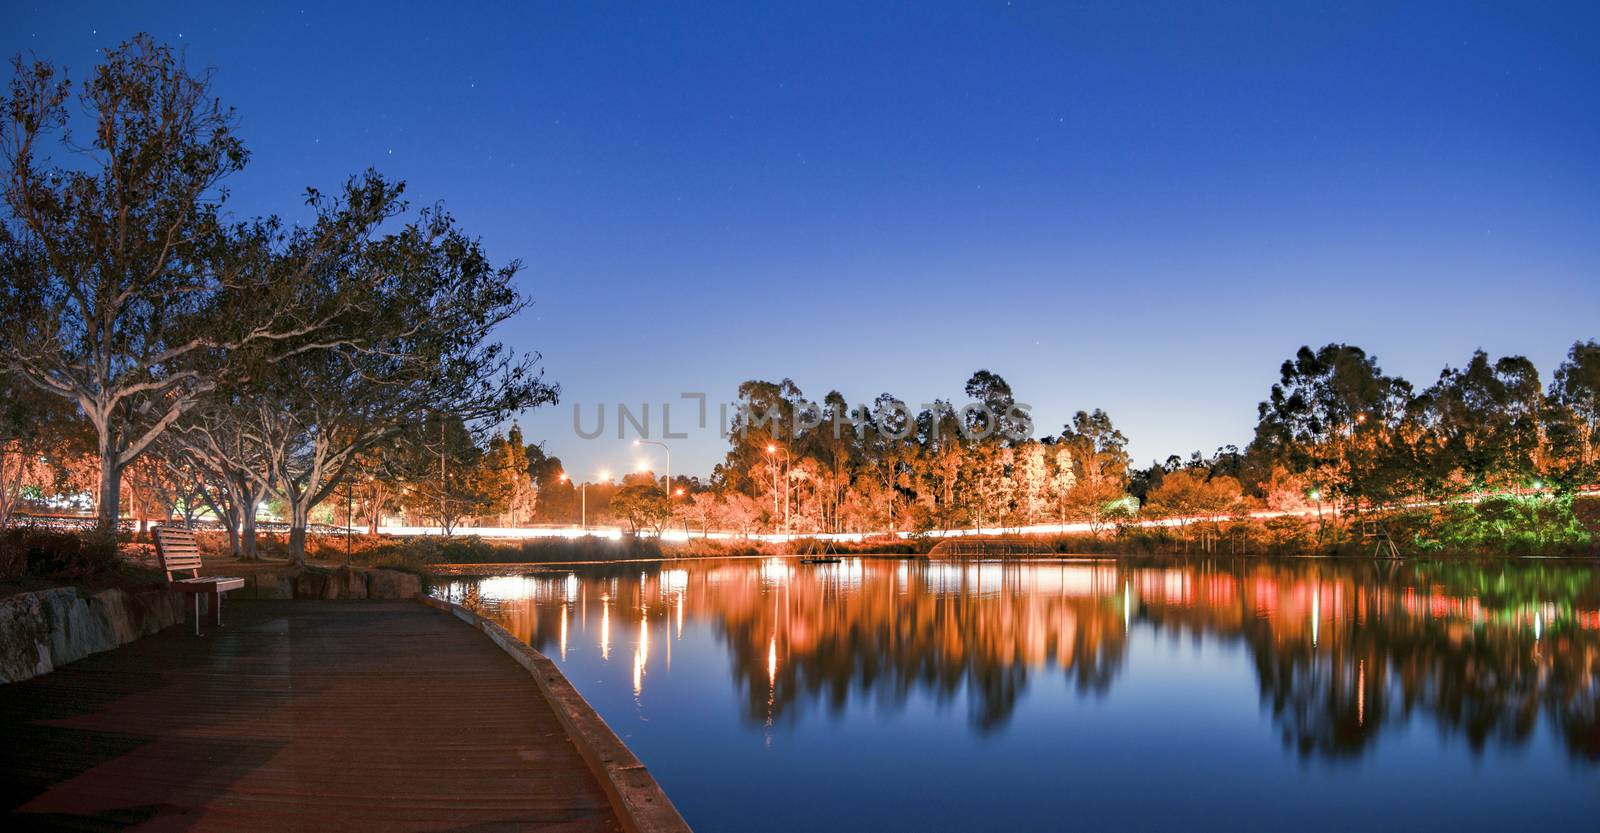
<point x="1276" y="537"/>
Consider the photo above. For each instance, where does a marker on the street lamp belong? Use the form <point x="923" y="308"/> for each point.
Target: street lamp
<point x="583" y="495"/>
<point x="667" y="485"/>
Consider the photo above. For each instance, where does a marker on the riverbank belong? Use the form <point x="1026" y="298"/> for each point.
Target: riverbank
<point x="1519" y="527"/>
<point x="431" y="554"/>
<point x="307" y="715"/>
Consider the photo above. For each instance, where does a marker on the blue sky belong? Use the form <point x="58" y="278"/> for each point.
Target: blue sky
<point x="1140" y="207"/>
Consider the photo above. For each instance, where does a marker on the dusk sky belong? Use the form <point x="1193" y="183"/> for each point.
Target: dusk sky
<point x="1140" y="208"/>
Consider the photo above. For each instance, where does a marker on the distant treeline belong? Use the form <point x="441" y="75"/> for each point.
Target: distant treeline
<point x="1335" y="433"/>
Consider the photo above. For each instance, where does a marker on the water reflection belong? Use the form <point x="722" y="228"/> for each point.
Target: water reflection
<point x="1343" y="652"/>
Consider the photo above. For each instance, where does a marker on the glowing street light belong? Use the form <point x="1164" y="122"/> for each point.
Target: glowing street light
<point x="644" y="464"/>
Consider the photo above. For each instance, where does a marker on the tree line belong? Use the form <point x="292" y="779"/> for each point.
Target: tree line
<point x="1335" y="433"/>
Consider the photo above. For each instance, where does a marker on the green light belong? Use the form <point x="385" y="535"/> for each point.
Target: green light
<point x="1316" y="494"/>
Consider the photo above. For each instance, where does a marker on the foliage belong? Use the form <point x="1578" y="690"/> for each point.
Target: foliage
<point x="52" y="554"/>
<point x="642" y="506"/>
<point x="124" y="292"/>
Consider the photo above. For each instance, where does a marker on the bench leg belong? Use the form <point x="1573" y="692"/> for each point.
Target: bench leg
<point x="196" y="613"/>
<point x="216" y="605"/>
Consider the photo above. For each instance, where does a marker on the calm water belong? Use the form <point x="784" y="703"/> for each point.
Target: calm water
<point x="1096" y="695"/>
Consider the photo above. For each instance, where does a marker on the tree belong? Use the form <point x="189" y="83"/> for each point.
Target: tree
<point x="642" y="505"/>
<point x="1327" y="416"/>
<point x="702" y="509"/>
<point x="558" y="497"/>
<point x="1486" y="419"/>
<point x="1032" y="476"/>
<point x="126" y="293"/>
<point x="1098" y="450"/>
<point x="445" y="473"/>
<point x="33" y="426"/>
<point x="741" y="513"/>
<point x="231" y="468"/>
<point x="1575" y="394"/>
<point x="417" y="344"/>
<point x="1188" y="495"/>
<point x="503" y="470"/>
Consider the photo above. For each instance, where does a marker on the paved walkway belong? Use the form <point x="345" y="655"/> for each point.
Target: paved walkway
<point x="302" y="715"/>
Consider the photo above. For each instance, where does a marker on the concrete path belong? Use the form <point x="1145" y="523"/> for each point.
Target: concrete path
<point x="301" y="715"/>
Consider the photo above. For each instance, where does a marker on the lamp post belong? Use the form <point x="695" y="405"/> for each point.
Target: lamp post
<point x="583" y="496"/>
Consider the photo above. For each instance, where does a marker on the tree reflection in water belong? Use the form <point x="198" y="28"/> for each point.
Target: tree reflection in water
<point x="1343" y="650"/>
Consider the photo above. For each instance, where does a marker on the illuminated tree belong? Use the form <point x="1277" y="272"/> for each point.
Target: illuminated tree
<point x="642" y="506"/>
<point x="503" y="470"/>
<point x="1575" y="393"/>
<point x="1330" y="409"/>
<point x="1486" y="418"/>
<point x="126" y="292"/>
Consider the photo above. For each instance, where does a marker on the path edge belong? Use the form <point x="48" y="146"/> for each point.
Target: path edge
<point x="640" y="803"/>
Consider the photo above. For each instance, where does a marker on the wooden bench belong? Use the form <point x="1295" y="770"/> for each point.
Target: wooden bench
<point x="179" y="553"/>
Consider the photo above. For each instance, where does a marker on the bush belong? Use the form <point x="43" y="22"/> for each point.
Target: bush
<point x="53" y="554"/>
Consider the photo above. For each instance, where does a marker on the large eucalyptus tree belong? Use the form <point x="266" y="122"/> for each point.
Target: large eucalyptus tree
<point x="127" y="291"/>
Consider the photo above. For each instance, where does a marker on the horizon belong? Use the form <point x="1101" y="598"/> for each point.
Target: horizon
<point x="1145" y="214"/>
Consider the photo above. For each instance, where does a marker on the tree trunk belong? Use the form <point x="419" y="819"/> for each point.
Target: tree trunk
<point x="247" y="525"/>
<point x="108" y="510"/>
<point x="297" y="532"/>
<point x="230" y="519"/>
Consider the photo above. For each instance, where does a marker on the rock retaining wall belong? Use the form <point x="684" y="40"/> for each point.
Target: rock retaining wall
<point x="43" y="630"/>
<point x="46" y="629"/>
<point x="320" y="583"/>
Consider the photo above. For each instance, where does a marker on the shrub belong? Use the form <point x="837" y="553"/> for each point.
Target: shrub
<point x="53" y="554"/>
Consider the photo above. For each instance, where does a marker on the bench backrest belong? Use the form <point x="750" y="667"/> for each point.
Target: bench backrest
<point x="178" y="551"/>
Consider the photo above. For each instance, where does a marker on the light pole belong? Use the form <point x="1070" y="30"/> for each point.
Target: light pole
<point x="583" y="496"/>
<point x="667" y="490"/>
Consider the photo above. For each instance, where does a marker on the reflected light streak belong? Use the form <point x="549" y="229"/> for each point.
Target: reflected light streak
<point x="1361" y="693"/>
<point x="1316" y="613"/>
<point x="772" y="662"/>
<point x="605" y="627"/>
<point x="563" y="631"/>
<point x="642" y="653"/>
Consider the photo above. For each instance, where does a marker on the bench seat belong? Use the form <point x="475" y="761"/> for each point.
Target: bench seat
<point x="208" y="584"/>
<point x="179" y="553"/>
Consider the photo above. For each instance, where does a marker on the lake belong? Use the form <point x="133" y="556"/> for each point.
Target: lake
<point x="883" y="694"/>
